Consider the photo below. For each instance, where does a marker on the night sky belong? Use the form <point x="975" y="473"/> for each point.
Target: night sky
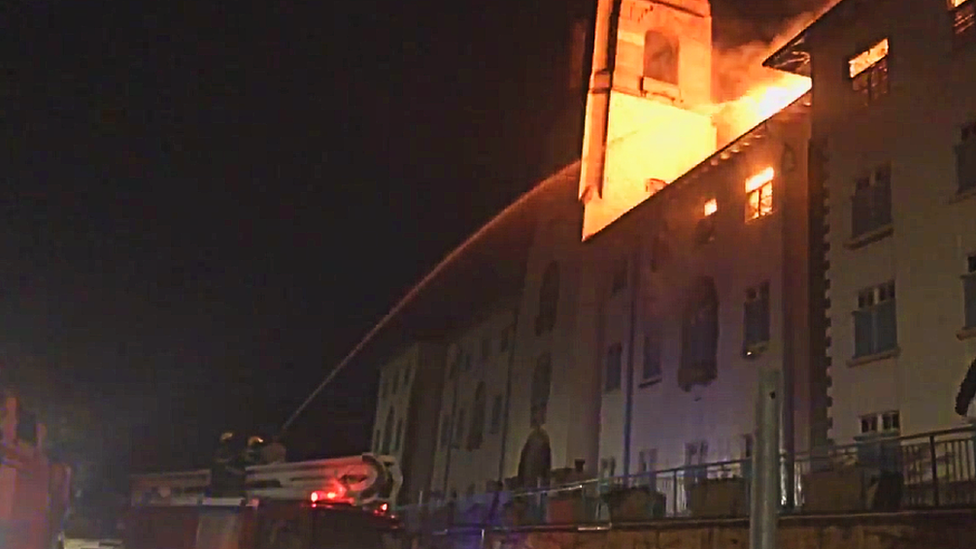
<point x="206" y="204"/>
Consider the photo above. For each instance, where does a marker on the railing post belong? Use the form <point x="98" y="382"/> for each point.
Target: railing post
<point x="935" y="471"/>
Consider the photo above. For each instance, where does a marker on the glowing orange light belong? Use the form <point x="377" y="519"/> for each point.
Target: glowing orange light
<point x="762" y="101"/>
<point x="332" y="494"/>
<point x="760" y="179"/>
<point x="867" y="58"/>
<point x="711" y="207"/>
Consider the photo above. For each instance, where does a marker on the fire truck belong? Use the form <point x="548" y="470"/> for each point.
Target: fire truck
<point x="34" y="492"/>
<point x="339" y="503"/>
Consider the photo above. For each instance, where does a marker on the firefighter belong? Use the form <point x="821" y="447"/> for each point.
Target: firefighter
<point x="227" y="472"/>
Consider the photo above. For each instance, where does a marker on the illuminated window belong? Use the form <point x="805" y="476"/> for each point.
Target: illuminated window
<point x="759" y="194"/>
<point x="868" y="72"/>
<point x="966" y="157"/>
<point x="875" y="321"/>
<point x="705" y="230"/>
<point x="963" y="21"/>
<point x="871" y="207"/>
<point x="711" y="206"/>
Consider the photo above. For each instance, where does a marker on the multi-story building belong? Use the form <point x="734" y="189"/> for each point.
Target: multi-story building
<point x="835" y="241"/>
<point x="894" y="187"/>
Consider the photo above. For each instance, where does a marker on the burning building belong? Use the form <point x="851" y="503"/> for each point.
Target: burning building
<point x="632" y="296"/>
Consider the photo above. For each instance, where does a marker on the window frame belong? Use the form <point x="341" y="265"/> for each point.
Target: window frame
<point x="873" y="200"/>
<point x="876" y="294"/>
<point x="866" y="94"/>
<point x="757" y="296"/>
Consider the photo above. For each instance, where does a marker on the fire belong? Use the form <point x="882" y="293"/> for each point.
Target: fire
<point x="763" y="100"/>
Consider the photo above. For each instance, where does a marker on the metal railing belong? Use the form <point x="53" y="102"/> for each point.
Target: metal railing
<point x="880" y="474"/>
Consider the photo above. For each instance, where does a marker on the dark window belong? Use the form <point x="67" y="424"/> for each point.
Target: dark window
<point x="496" y="415"/>
<point x="387" y="433"/>
<point x="875" y="326"/>
<point x="612" y="377"/>
<point x="539" y="392"/>
<point x="651" y="370"/>
<point x="503" y="341"/>
<point x="969" y="291"/>
<point x="869" y="72"/>
<point x="548" y="299"/>
<point x="757" y="316"/>
<point x="966" y="157"/>
<point x="455" y="365"/>
<point x="399" y="435"/>
<point x="485" y="348"/>
<point x="699" y="336"/>
<point x="459" y="428"/>
<point x="963" y="22"/>
<point x="871" y="209"/>
<point x="660" y="57"/>
<point x="445" y="431"/>
<point x="476" y="433"/>
<point x="660" y="252"/>
<point x="467" y="362"/>
<point x="619" y="281"/>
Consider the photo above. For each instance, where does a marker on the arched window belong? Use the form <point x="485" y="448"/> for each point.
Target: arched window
<point x="539" y="395"/>
<point x="699" y="336"/>
<point x="477" y="431"/>
<point x="660" y="57"/>
<point x="548" y="299"/>
<point x="387" y="433"/>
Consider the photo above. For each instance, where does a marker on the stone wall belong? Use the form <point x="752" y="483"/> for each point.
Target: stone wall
<point x="946" y="529"/>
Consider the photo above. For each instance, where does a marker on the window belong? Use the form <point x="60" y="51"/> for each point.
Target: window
<point x="699" y="336"/>
<point x="969" y="292"/>
<point x="496" y="415"/>
<point x="759" y="194"/>
<point x="963" y="21"/>
<point x="476" y="433"/>
<point x="399" y="435"/>
<point x="455" y="365"/>
<point x="540" y="389"/>
<point x="651" y="370"/>
<point x="485" y="349"/>
<point x="868" y="72"/>
<point x="459" y="428"/>
<point x="467" y="362"/>
<point x="875" y="326"/>
<point x="660" y="57"/>
<point x="445" y="431"/>
<point x="871" y="209"/>
<point x="966" y="158"/>
<point x="503" y="341"/>
<point x="613" y="374"/>
<point x="660" y="252"/>
<point x="705" y="230"/>
<point x="548" y="299"/>
<point x="885" y="422"/>
<point x="756" y="318"/>
<point x="387" y="433"/>
<point x="619" y="281"/>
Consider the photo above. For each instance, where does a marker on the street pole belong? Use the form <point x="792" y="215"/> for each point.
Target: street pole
<point x="764" y="505"/>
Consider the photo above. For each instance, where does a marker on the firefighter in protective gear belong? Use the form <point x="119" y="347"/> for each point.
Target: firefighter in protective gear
<point x="227" y="472"/>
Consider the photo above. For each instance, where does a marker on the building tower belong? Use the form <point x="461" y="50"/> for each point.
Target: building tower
<point x="647" y="116"/>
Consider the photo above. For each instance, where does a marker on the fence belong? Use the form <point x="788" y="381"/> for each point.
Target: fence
<point x="880" y="474"/>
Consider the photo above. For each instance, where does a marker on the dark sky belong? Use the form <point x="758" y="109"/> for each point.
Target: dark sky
<point x="205" y="204"/>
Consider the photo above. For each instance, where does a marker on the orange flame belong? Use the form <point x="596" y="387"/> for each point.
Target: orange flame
<point x="764" y="100"/>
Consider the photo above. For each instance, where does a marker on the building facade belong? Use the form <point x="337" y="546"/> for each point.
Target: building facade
<point x="894" y="140"/>
<point x="834" y="241"/>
